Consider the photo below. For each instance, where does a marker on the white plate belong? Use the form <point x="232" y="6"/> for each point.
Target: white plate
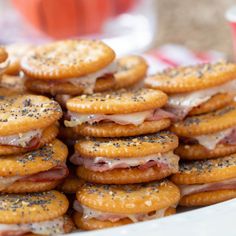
<point x="217" y="220"/>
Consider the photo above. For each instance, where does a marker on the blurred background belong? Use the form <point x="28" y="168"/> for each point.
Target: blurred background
<point x="128" y="25"/>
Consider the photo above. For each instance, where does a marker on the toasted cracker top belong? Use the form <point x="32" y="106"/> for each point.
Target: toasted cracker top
<point x="42" y="159"/>
<point x="33" y="207"/>
<point x="118" y="102"/>
<point x="192" y="78"/>
<point x="128" y="147"/>
<point x="22" y="113"/>
<point x="67" y="59"/>
<point x="129" y="199"/>
<point x="207" y="123"/>
<point x="206" y="171"/>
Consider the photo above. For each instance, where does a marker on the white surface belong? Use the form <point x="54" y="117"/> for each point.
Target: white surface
<point x="217" y="220"/>
<point x="231" y="16"/>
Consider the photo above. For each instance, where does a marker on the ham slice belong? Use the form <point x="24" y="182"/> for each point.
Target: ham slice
<point x="209" y="141"/>
<point x="56" y="173"/>
<point x="152" y="163"/>
<point x="33" y="144"/>
<point x="197" y="188"/>
<point x="136" y="118"/>
<point x="231" y="138"/>
<point x="89" y="213"/>
<point x="160" y="114"/>
<point x="181" y="104"/>
<point x="52" y="227"/>
<point x="28" y="139"/>
<point x="101" y="164"/>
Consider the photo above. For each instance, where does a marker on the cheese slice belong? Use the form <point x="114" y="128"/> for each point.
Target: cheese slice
<point x="52" y="227"/>
<point x="55" y="173"/>
<point x="168" y="159"/>
<point x="89" y="213"/>
<point x="196" y="188"/>
<point x="88" y="81"/>
<point x="136" y="118"/>
<point x="210" y="141"/>
<point x="21" y="139"/>
<point x="181" y="104"/>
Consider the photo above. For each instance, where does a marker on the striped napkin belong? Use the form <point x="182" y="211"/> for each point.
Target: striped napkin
<point x="172" y="55"/>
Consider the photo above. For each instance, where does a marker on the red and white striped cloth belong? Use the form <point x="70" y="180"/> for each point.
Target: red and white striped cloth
<point x="172" y="55"/>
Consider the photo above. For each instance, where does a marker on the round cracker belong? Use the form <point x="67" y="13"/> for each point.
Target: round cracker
<point x="129" y="199"/>
<point x="207" y="123"/>
<point x="52" y="87"/>
<point x="30" y="187"/>
<point x="131" y="70"/>
<point x="32" y="207"/>
<point x="207" y="198"/>
<point x="125" y="176"/>
<point x="33" y="162"/>
<point x="216" y="102"/>
<point x="115" y="130"/>
<point x="67" y="59"/>
<point x="23" y="113"/>
<point x="206" y="171"/>
<point x="65" y="87"/>
<point x="197" y="151"/>
<point x="48" y="135"/>
<point x="192" y="78"/>
<point x="128" y="147"/>
<point x="118" y="102"/>
<point x="92" y="224"/>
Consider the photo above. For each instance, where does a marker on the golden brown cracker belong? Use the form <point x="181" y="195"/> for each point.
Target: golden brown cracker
<point x="192" y="78"/>
<point x="67" y="59"/>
